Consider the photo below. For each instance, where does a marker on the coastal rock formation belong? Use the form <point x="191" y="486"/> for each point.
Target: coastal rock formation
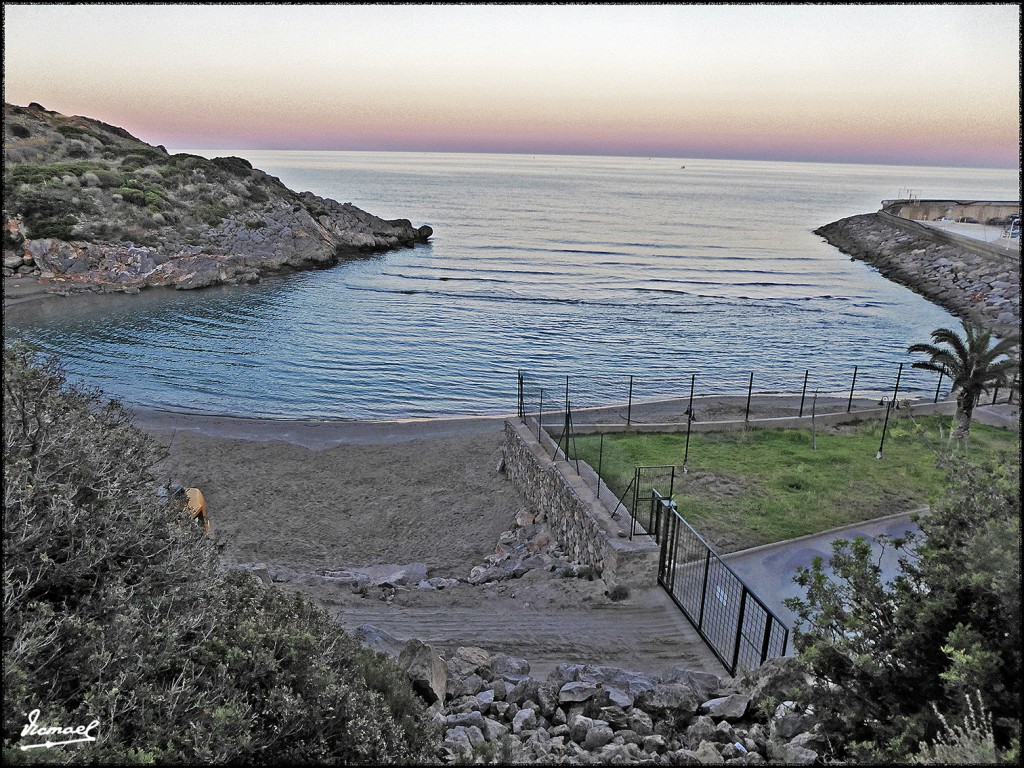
<point x="583" y="714"/>
<point x="960" y="279"/>
<point x="88" y="206"/>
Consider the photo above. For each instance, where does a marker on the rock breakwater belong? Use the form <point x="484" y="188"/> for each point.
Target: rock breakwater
<point x="965" y="281"/>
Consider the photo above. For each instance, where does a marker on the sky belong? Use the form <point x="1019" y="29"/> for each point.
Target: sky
<point x="889" y="84"/>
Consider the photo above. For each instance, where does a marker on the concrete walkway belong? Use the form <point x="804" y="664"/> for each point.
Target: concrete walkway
<point x="769" y="570"/>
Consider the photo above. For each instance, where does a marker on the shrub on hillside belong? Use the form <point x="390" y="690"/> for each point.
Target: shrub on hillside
<point x="116" y="609"/>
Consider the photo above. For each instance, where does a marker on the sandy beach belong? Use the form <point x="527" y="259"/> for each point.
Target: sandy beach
<point x="307" y="498"/>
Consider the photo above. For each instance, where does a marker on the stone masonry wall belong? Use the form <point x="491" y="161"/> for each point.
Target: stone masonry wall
<point x="578" y="520"/>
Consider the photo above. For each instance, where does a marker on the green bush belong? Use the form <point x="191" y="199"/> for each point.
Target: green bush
<point x="211" y="213"/>
<point x="236" y="166"/>
<point x="140" y="157"/>
<point x="884" y="657"/>
<point x="108" y="178"/>
<point x="72" y="131"/>
<point x="117" y="609"/>
<point x="28" y="173"/>
<point x="46" y="213"/>
<point x="132" y="195"/>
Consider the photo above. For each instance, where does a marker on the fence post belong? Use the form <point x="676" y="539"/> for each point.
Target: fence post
<point x="674" y="544"/>
<point x="739" y="631"/>
<point x="896" y="389"/>
<point x="689" y="422"/>
<point x="750" y="389"/>
<point x="704" y="589"/>
<point x="519" y="379"/>
<point x="806" y="373"/>
<point x="629" y="406"/>
<point x="767" y="638"/>
<point x="600" y="461"/>
<point x="849" y="403"/>
<point x="888" y="407"/>
<point x="540" y="414"/>
<point x="938" y="387"/>
<point x="565" y="427"/>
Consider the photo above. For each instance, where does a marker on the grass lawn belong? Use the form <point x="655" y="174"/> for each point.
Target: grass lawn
<point x="748" y="488"/>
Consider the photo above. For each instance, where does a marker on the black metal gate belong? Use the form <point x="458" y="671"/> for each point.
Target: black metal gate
<point x="648" y="488"/>
<point x="740" y="629"/>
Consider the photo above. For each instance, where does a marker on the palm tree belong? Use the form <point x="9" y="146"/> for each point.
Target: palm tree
<point x="972" y="364"/>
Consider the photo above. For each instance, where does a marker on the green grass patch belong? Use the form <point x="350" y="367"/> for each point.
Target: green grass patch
<point x="745" y="489"/>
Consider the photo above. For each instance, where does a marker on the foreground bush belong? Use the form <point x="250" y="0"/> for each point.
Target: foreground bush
<point x="886" y="660"/>
<point x="117" y="610"/>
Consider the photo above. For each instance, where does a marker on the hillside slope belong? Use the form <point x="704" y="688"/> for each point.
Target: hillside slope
<point x="89" y="206"/>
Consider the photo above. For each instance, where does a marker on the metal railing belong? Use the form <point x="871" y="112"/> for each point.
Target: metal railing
<point x="735" y="623"/>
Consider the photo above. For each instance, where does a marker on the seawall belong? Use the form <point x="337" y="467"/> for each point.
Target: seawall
<point x="966" y="279"/>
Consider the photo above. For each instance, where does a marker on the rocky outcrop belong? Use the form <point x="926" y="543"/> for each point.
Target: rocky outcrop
<point x="89" y="207"/>
<point x="493" y="710"/>
<point x="965" y="281"/>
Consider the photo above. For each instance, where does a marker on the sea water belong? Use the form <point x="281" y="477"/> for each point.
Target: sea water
<point x="594" y="268"/>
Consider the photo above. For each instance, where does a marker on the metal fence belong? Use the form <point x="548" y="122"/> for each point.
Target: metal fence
<point x="623" y="400"/>
<point x="737" y="626"/>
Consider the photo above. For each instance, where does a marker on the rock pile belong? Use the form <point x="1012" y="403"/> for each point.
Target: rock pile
<point x="492" y="710"/>
<point x="528" y="545"/>
<point x="963" y="281"/>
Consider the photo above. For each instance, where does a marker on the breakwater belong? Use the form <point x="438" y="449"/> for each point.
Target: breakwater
<point x="967" y="279"/>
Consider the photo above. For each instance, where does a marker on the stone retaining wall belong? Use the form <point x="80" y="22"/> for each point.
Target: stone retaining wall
<point x="963" y="280"/>
<point x="581" y="522"/>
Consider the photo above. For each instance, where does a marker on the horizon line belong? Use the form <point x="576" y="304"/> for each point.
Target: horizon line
<point x="550" y="153"/>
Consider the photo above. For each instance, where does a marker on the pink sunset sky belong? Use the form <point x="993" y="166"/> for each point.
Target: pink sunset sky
<point x="903" y="84"/>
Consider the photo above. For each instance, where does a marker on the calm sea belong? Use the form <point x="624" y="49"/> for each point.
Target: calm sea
<point x="594" y="268"/>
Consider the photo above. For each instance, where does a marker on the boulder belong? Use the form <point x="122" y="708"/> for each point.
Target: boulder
<point x="467" y="719"/>
<point x="509" y="668"/>
<point x="524" y="720"/>
<point x="579" y="726"/>
<point x="374" y="638"/>
<point x="732" y="707"/>
<point x="493" y="730"/>
<point x="707" y="754"/>
<point x="468" y="660"/>
<point x="577" y="691"/>
<point x="597" y="736"/>
<point x="668" y="698"/>
<point x="705" y="684"/>
<point x="701" y="729"/>
<point x="425" y="669"/>
<point x="456" y="742"/>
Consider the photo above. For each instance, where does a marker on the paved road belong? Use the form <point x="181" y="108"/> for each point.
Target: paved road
<point x="769" y="570"/>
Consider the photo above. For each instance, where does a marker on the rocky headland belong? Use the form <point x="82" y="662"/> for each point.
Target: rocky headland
<point x="966" y="280"/>
<point x="87" y="206"/>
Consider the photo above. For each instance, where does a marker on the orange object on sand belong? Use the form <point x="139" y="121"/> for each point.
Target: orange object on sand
<point x="197" y="507"/>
